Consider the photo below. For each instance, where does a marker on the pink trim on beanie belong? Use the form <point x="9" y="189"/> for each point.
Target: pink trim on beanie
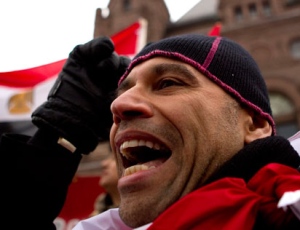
<point x="212" y="52"/>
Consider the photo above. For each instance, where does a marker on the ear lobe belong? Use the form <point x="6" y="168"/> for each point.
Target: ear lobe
<point x="256" y="128"/>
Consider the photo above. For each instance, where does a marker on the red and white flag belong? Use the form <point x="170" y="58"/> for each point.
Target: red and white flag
<point x="131" y="40"/>
<point x="22" y="91"/>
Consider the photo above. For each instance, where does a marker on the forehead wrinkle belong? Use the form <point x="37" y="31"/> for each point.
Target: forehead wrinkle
<point x="177" y="69"/>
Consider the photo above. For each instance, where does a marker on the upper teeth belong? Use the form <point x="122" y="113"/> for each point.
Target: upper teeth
<point x="136" y="143"/>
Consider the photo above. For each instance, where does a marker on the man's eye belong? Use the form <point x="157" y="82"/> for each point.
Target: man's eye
<point x="167" y="83"/>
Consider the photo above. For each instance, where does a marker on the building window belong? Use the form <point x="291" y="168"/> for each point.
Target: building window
<point x="238" y="14"/>
<point x="292" y="2"/>
<point x="266" y="8"/>
<point x="295" y="48"/>
<point x="126" y="5"/>
<point x="252" y="11"/>
<point x="281" y="105"/>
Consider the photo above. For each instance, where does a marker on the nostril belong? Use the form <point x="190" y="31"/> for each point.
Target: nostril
<point x="126" y="115"/>
<point x="116" y="119"/>
<point x="130" y="114"/>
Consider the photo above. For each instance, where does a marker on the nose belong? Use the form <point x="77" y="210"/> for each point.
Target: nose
<point x="104" y="165"/>
<point x="134" y="103"/>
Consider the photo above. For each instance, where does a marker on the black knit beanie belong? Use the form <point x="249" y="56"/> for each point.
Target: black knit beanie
<point x="223" y="61"/>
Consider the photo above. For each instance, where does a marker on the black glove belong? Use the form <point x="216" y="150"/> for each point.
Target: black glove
<point x="78" y="105"/>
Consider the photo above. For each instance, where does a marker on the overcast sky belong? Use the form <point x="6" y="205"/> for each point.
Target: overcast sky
<point x="37" y="32"/>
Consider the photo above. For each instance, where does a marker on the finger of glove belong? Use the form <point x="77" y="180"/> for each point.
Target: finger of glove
<point x="107" y="72"/>
<point x="87" y="85"/>
<point x="93" y="51"/>
<point x="115" y="65"/>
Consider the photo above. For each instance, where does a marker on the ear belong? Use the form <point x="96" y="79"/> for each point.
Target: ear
<point x="256" y="127"/>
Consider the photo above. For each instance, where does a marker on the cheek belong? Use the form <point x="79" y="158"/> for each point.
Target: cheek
<point x="200" y="116"/>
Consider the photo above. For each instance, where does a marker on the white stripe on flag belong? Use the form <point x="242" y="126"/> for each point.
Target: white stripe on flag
<point x="17" y="104"/>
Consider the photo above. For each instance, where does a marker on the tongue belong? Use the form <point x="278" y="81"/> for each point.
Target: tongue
<point x="154" y="163"/>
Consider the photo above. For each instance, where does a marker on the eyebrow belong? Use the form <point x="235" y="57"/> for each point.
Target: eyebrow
<point x="161" y="69"/>
<point x="174" y="68"/>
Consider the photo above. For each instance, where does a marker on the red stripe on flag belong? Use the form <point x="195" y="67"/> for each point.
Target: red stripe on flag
<point x="126" y="41"/>
<point x="32" y="76"/>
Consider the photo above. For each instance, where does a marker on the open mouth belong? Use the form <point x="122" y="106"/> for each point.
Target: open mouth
<point x="140" y="155"/>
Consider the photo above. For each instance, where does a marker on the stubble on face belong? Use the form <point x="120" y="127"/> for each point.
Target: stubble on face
<point x="226" y="138"/>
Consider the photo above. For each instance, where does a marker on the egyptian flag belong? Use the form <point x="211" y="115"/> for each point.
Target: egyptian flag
<point x="22" y="91"/>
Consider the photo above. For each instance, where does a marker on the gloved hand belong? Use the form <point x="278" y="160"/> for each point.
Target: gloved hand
<point x="78" y="105"/>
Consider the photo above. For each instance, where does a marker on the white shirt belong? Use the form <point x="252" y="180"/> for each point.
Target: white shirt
<point x="295" y="141"/>
<point x="108" y="220"/>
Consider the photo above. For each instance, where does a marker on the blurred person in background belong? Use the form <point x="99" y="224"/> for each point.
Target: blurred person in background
<point x="109" y="181"/>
